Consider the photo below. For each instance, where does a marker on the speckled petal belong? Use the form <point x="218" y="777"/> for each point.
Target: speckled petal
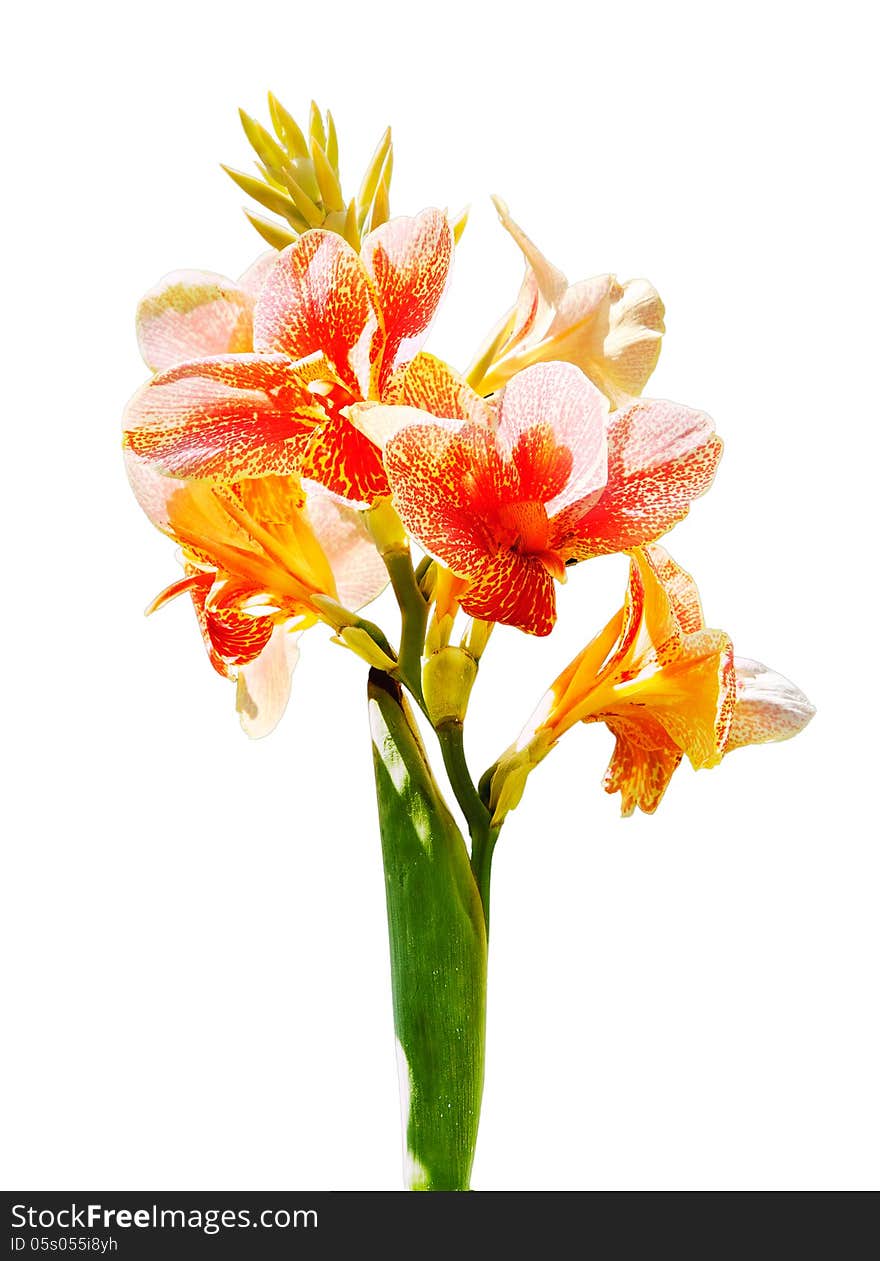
<point x="429" y="384"/>
<point x="515" y="590"/>
<point x="432" y="473"/>
<point x="642" y="764"/>
<point x="661" y="456"/>
<point x="345" y="462"/>
<point x="408" y="261"/>
<point x="226" y="418"/>
<point x="318" y="297"/>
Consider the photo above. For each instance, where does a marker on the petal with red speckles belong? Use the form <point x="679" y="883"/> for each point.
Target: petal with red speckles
<point x="318" y="297"/>
<point x="642" y="764"/>
<point x="193" y="314"/>
<point x="661" y="456"/>
<point x="436" y="478"/>
<point x="224" y="419"/>
<point x="408" y="261"/>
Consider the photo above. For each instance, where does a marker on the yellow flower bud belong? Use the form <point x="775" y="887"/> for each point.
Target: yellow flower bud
<point x="447" y="679"/>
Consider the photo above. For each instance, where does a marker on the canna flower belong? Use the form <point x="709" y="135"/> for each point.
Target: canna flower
<point x="262" y="563"/>
<point x="611" y="331"/>
<point x="665" y="686"/>
<point x="256" y="552"/>
<point x="330" y="328"/>
<point x="506" y="493"/>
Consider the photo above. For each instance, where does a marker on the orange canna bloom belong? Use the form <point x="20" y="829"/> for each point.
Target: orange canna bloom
<point x="256" y="554"/>
<point x="665" y="685"/>
<point x="507" y="492"/>
<point x="270" y="390"/>
<point x="611" y="331"/>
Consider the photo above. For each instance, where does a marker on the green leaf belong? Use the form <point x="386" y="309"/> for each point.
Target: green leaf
<point x="438" y="951"/>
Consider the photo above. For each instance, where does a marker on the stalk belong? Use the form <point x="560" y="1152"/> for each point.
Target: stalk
<point x="437" y="935"/>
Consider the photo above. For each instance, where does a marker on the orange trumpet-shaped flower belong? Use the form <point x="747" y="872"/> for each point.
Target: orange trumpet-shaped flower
<point x="506" y="493"/>
<point x="665" y="685"/>
<point x="258" y="556"/>
<point x="611" y="331"/>
<point x="329" y="328"/>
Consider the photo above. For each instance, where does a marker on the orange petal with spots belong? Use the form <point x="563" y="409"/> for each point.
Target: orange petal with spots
<point x="318" y="298"/>
<point x="224" y="419"/>
<point x="408" y="261"/>
<point x="513" y="589"/>
<point x="429" y="384"/>
<point x="642" y="764"/>
<point x="344" y="461"/>
<point x="191" y="315"/>
<point x="438" y="474"/>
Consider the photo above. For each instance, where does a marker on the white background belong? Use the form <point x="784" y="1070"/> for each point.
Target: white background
<point x="195" y="952"/>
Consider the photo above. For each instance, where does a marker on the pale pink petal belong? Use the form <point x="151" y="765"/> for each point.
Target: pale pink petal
<point x="551" y="423"/>
<point x="193" y="314"/>
<point x="252" y="280"/>
<point x="357" y="566"/>
<point x="768" y="706"/>
<point x="263" y="685"/>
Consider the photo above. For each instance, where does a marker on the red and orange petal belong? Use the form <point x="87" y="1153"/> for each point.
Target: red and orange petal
<point x="434" y="471"/>
<point x="318" y="297"/>
<point x="551" y="426"/>
<point x="642" y="764"/>
<point x="661" y="456"/>
<point x="408" y="261"/>
<point x="345" y="462"/>
<point x="224" y="419"/>
<point x="230" y="636"/>
<point x="192" y="314"/>
<point x="513" y="589"/>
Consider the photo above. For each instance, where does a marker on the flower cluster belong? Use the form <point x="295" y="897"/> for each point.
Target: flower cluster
<point x="294" y="439"/>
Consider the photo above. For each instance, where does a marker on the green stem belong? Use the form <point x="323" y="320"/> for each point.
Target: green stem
<point x="479" y="819"/>
<point x="482" y="849"/>
<point x="414" y="619"/>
